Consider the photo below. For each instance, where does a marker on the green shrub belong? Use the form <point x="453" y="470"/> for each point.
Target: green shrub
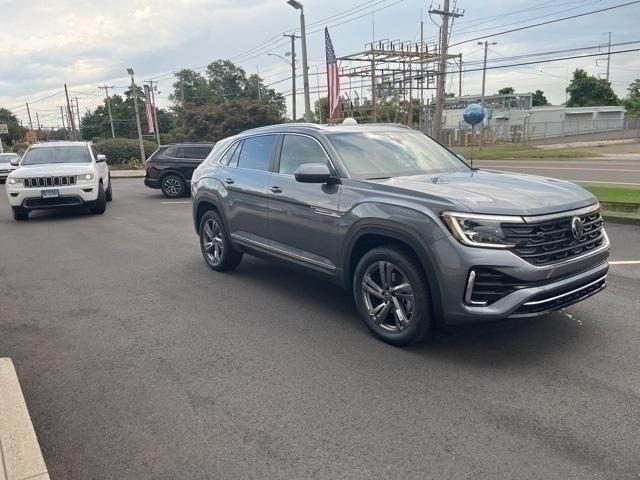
<point x="124" y="151"/>
<point x="20" y="147"/>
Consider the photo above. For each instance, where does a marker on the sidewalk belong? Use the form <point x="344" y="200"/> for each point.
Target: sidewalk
<point x="20" y="455"/>
<point x="127" y="173"/>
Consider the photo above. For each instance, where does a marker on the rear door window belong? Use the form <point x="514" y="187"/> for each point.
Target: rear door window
<point x="256" y="152"/>
<point x="197" y="152"/>
<point x="173" y="152"/>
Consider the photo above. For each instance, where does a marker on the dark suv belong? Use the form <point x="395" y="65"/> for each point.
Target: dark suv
<point x="420" y="238"/>
<point x="170" y="167"/>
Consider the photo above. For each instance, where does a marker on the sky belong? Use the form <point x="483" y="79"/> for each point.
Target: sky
<point x="87" y="43"/>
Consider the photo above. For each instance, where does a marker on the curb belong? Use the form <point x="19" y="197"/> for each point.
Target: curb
<point x="20" y="453"/>
<point x="612" y="217"/>
<point x="127" y="173"/>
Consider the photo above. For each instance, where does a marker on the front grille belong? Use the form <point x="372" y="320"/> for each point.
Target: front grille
<point x="552" y="241"/>
<point x="40" y="182"/>
<point x="561" y="298"/>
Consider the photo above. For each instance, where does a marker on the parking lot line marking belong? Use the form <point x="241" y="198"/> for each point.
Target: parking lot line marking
<point x="625" y="262"/>
<point x="173" y="203"/>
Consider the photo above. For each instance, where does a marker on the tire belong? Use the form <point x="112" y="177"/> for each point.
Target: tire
<point x="216" y="247"/>
<point x="404" y="315"/>
<point x="109" y="192"/>
<point x="20" y="214"/>
<point x="172" y="186"/>
<point x="100" y="204"/>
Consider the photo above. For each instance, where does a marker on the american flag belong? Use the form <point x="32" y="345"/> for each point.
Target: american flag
<point x="333" y="77"/>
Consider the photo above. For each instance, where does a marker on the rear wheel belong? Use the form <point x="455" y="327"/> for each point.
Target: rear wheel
<point x="392" y="295"/>
<point x="100" y="204"/>
<point x="215" y="244"/>
<point x="173" y="186"/>
<point x="20" y="214"/>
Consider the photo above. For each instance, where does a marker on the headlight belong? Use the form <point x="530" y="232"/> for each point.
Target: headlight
<point x="479" y="230"/>
<point x="85" y="176"/>
<point x="14" y="180"/>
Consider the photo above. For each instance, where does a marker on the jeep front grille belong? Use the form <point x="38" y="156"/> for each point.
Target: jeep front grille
<point x="40" y="182"/>
<point x="552" y="241"/>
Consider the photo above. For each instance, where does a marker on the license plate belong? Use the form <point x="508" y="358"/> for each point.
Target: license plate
<point x="50" y="194"/>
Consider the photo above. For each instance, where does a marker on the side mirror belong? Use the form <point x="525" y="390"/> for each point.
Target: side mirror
<point x="314" y="173"/>
<point x="15" y="161"/>
<point x="101" y="158"/>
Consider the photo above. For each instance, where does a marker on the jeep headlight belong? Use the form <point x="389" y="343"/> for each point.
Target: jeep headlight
<point x="479" y="230"/>
<point x="85" y="176"/>
<point x="14" y="180"/>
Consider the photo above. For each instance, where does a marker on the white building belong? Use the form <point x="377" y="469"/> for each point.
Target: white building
<point x="510" y="117"/>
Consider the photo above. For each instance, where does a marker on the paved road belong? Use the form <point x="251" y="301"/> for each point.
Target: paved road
<point x="137" y="361"/>
<point x="622" y="171"/>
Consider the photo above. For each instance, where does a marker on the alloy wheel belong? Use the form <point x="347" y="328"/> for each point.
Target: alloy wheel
<point x="172" y="185"/>
<point x="212" y="241"/>
<point x="388" y="296"/>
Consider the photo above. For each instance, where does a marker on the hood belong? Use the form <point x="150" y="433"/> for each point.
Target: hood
<point x="493" y="192"/>
<point x="52" y="170"/>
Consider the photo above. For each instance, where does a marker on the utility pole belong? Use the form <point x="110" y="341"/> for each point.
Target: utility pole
<point x="143" y="157"/>
<point x="484" y="77"/>
<point x="72" y="123"/>
<point x="79" y="120"/>
<point x="38" y="121"/>
<point x="608" y="56"/>
<point x="155" y="111"/>
<point x="293" y="73"/>
<point x="422" y="122"/>
<point x="29" y="114"/>
<point x="305" y="68"/>
<point x="106" y="92"/>
<point x="442" y="69"/>
<point x="460" y="75"/>
<point x="64" y="127"/>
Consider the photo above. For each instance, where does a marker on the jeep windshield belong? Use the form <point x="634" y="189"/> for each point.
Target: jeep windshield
<point x="375" y="154"/>
<point x="61" y="154"/>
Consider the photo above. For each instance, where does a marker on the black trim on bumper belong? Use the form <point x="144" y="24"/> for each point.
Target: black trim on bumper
<point x="152" y="182"/>
<point x="36" y="203"/>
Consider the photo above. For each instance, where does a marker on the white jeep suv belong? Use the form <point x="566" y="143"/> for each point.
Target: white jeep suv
<point x="59" y="175"/>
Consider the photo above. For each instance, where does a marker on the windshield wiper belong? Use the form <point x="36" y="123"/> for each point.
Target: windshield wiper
<point x="378" y="178"/>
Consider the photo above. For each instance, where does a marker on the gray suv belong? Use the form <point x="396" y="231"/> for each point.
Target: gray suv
<point x="421" y="239"/>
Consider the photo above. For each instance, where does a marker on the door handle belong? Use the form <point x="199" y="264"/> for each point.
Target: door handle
<point x="276" y="189"/>
<point x="229" y="181"/>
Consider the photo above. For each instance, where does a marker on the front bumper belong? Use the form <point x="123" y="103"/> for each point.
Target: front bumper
<point x="540" y="290"/>
<point x="69" y="196"/>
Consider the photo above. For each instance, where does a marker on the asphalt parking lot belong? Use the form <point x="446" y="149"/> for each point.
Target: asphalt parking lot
<point x="138" y="361"/>
<point x="623" y="171"/>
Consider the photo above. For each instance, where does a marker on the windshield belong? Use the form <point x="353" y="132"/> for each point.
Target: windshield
<point x="7" y="157"/>
<point x="67" y="154"/>
<point x="373" y="155"/>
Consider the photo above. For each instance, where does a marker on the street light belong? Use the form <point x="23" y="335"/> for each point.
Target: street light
<point x="143" y="157"/>
<point x="292" y="63"/>
<point x="305" y="69"/>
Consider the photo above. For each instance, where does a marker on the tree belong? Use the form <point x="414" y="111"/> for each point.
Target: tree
<point x="506" y="91"/>
<point x="16" y="131"/>
<point x="587" y="91"/>
<point x="538" y="99"/>
<point x="632" y="102"/>
<point x="191" y="87"/>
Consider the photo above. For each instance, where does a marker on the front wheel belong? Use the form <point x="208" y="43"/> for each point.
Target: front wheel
<point x="215" y="244"/>
<point x="392" y="295"/>
<point x="20" y="214"/>
<point x="109" y="192"/>
<point x="100" y="204"/>
<point x="173" y="186"/>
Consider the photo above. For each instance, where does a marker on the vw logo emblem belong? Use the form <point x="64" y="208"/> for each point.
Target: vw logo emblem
<point x="577" y="227"/>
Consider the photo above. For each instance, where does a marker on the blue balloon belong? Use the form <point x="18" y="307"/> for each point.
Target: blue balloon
<point x="473" y="114"/>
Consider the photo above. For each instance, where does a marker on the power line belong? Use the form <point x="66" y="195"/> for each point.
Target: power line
<point x="547" y="22"/>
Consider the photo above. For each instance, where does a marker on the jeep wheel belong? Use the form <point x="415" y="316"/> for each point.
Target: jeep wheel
<point x="392" y="295"/>
<point x="20" y="214"/>
<point x="100" y="205"/>
<point x="172" y="186"/>
<point x="215" y="244"/>
<point x="109" y="192"/>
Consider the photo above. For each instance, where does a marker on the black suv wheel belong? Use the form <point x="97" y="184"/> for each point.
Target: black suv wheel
<point x="173" y="186"/>
<point x="216" y="247"/>
<point x="392" y="295"/>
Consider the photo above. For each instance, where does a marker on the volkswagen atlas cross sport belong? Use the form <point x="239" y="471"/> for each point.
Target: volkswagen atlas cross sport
<point x="59" y="175"/>
<point x="420" y="238"/>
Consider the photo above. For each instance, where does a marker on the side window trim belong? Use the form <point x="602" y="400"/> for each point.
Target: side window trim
<point x="276" y="168"/>
<point x="231" y="147"/>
